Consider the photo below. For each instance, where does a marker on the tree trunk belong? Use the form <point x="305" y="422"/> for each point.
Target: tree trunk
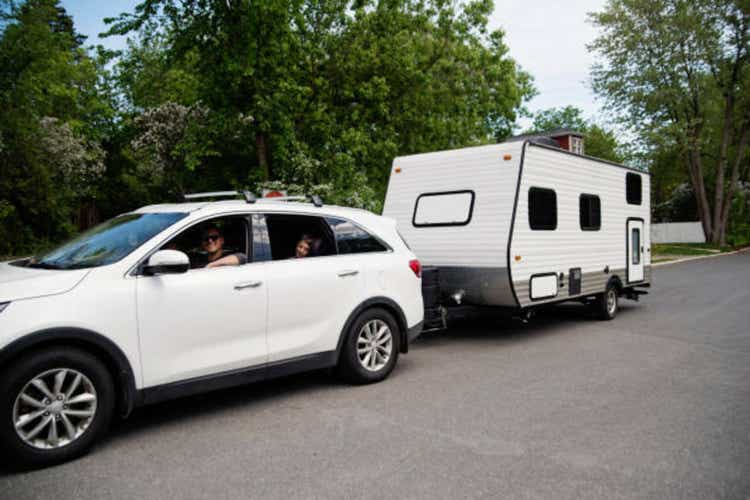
<point x="695" y="169"/>
<point x="733" y="181"/>
<point x="726" y="132"/>
<point x="261" y="149"/>
<point x="87" y="216"/>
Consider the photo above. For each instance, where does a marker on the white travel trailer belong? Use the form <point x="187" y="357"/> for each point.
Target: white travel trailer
<point x="522" y="224"/>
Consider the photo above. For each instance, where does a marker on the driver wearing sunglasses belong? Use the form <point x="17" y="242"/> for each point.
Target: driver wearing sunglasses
<point x="212" y="243"/>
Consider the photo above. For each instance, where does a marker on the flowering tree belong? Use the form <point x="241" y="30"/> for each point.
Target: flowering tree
<point x="171" y="140"/>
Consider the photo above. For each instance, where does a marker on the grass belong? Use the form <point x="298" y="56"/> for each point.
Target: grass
<point x="663" y="252"/>
<point x="682" y="249"/>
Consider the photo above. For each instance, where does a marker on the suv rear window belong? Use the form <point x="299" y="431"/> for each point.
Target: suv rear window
<point x="286" y="230"/>
<point x="350" y="238"/>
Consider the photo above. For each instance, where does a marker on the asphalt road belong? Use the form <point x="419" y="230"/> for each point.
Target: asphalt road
<point x="655" y="404"/>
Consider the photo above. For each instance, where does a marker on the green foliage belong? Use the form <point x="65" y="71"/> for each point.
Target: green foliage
<point x="568" y="117"/>
<point x="678" y="74"/>
<point x="51" y="105"/>
<point x="599" y="142"/>
<point x="312" y="96"/>
<point x="171" y="141"/>
<point x="344" y="85"/>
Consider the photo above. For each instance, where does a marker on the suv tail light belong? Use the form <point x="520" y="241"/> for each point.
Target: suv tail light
<point x="416" y="266"/>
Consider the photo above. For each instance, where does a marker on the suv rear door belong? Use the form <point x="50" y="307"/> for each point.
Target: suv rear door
<point x="310" y="298"/>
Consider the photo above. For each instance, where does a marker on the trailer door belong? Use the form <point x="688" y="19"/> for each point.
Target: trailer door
<point x="635" y="250"/>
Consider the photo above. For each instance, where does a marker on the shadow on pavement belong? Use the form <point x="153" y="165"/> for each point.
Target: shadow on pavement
<point x="498" y="331"/>
<point x="548" y="321"/>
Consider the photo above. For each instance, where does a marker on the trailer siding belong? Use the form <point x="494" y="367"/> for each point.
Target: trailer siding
<point x="482" y="243"/>
<point x="568" y="246"/>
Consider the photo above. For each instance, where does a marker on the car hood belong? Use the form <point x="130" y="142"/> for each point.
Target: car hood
<point x="17" y="283"/>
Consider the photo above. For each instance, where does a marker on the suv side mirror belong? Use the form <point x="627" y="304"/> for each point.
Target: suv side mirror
<point x="167" y="262"/>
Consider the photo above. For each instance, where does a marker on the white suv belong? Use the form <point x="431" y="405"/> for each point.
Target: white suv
<point x="130" y="314"/>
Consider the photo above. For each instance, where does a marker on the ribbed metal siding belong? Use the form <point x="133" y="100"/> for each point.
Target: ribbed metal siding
<point x="568" y="246"/>
<point x="481" y="243"/>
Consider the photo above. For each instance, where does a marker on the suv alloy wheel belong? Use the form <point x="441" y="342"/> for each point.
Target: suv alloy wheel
<point x="53" y="405"/>
<point x="371" y="347"/>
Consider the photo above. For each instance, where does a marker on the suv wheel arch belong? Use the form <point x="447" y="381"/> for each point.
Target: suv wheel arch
<point x="389" y="305"/>
<point x="96" y="344"/>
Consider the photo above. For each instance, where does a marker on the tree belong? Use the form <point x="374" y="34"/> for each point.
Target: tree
<point x="51" y="106"/>
<point x="340" y="85"/>
<point x="600" y="142"/>
<point x="171" y="140"/>
<point x="680" y="69"/>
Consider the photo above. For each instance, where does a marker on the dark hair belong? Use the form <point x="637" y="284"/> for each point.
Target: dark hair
<point x="209" y="227"/>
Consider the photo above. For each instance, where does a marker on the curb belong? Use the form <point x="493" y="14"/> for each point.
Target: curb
<point x="698" y="257"/>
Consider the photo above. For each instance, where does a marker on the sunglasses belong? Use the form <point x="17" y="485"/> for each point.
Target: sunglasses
<point x="211" y="237"/>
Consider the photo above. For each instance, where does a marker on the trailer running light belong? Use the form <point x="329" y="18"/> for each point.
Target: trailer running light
<point x="518" y="258"/>
<point x="416" y="266"/>
<point x="398" y="170"/>
<point x="507" y="157"/>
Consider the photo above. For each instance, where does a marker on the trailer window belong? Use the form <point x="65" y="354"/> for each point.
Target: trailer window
<point x="636" y="241"/>
<point x="542" y="209"/>
<point x="590" y="212"/>
<point x="633" y="189"/>
<point x="450" y="208"/>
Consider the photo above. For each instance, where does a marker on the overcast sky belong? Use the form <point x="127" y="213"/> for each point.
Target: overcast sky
<point x="547" y="38"/>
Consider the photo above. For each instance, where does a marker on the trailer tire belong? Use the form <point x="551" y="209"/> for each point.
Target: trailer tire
<point x="606" y="304"/>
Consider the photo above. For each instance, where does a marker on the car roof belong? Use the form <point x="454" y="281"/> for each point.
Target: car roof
<point x="267" y="205"/>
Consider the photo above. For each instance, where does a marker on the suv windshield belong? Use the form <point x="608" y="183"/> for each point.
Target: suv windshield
<point x="108" y="242"/>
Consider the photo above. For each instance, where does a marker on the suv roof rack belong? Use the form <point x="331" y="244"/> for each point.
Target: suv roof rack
<point x="249" y="197"/>
<point x="312" y="198"/>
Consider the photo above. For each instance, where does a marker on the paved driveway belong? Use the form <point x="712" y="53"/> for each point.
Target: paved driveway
<point x="655" y="404"/>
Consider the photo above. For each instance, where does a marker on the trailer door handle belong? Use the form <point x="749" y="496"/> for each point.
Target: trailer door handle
<point x="344" y="274"/>
<point x="249" y="284"/>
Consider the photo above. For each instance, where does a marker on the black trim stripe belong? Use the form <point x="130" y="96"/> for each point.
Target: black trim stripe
<point x="513" y="223"/>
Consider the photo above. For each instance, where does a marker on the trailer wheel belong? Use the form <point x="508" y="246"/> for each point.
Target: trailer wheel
<point x="606" y="304"/>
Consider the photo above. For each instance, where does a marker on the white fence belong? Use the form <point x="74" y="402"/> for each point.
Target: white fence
<point x="677" y="232"/>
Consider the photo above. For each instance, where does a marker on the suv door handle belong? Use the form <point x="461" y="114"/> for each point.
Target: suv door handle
<point x="249" y="284"/>
<point x="343" y="274"/>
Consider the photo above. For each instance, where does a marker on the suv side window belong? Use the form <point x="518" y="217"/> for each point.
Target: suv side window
<point x="285" y="231"/>
<point x="350" y="238"/>
<point x="234" y="234"/>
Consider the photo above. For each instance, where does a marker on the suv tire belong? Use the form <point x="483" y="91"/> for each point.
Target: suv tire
<point x="69" y="389"/>
<point x="371" y="347"/>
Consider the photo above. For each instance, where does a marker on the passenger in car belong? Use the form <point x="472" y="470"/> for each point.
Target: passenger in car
<point x="213" y="243"/>
<point x="302" y="249"/>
